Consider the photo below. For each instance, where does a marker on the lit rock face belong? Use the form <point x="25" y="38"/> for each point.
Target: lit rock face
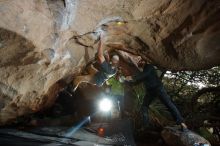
<point x="44" y="42"/>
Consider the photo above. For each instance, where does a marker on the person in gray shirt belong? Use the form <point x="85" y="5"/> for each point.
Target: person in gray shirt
<point x="107" y="69"/>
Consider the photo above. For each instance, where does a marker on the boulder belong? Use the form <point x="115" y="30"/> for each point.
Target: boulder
<point x="173" y="136"/>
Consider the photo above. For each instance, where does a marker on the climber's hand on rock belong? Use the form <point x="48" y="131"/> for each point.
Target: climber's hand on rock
<point x="101" y="35"/>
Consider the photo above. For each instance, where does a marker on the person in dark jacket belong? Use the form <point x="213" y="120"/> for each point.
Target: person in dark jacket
<point x="154" y="87"/>
<point x="107" y="69"/>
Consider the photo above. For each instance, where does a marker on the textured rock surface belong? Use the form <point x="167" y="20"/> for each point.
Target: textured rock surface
<point x="42" y="42"/>
<point x="173" y="137"/>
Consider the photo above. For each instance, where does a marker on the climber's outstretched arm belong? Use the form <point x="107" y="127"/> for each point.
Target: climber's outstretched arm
<point x="101" y="57"/>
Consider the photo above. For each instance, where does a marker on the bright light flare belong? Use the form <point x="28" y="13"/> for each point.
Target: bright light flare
<point x="105" y="105"/>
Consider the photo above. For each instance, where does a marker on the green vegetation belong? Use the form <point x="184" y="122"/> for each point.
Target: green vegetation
<point x="196" y="94"/>
<point x="117" y="87"/>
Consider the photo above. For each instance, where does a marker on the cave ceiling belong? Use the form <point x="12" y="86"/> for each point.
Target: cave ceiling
<point x="45" y="41"/>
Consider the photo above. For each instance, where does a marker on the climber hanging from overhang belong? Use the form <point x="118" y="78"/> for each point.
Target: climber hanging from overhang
<point x="107" y="68"/>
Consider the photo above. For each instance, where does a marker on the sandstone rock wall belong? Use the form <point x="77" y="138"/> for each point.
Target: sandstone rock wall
<point x="44" y="41"/>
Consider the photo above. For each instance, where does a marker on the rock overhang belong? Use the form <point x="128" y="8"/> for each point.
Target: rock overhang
<point x="177" y="35"/>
